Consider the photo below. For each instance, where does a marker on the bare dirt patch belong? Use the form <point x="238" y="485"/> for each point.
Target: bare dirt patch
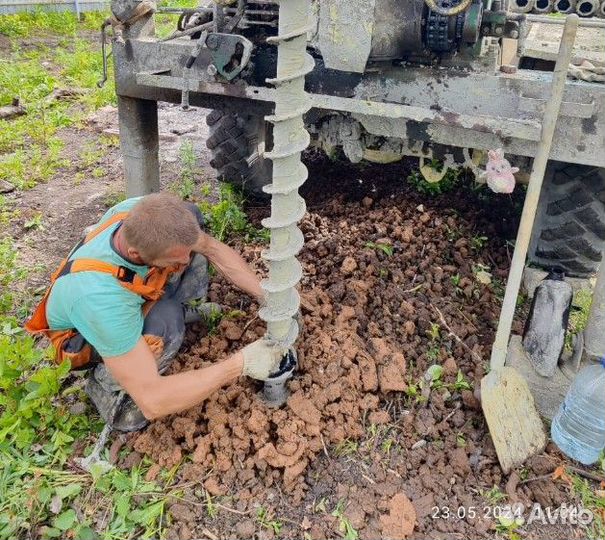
<point x="358" y="432"/>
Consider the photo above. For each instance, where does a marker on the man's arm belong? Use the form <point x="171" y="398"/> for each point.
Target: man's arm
<point x="156" y="395"/>
<point x="229" y="263"/>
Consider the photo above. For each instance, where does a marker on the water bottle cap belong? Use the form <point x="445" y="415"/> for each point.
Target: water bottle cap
<point x="602" y="361"/>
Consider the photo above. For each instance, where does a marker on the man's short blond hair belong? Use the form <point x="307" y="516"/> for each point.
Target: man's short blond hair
<point x="159" y="222"/>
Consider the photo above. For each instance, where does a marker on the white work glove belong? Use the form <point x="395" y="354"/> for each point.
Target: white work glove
<point x="261" y="358"/>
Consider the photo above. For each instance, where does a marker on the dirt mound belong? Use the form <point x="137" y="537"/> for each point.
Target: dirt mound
<point x="378" y="279"/>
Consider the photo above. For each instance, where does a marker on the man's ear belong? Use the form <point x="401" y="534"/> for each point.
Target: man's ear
<point x="134" y="255"/>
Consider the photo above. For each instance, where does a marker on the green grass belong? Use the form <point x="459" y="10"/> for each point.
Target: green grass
<point x="186" y="187"/>
<point x="578" y="315"/>
<point x="166" y="24"/>
<point x="40" y="496"/>
<point x="266" y="521"/>
<point x="22" y="25"/>
<point x="30" y="150"/>
<point x="594" y="501"/>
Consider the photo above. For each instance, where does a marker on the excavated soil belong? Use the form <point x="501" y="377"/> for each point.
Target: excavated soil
<point x="358" y="429"/>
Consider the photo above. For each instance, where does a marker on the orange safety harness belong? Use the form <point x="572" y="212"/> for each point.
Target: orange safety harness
<point x="150" y="288"/>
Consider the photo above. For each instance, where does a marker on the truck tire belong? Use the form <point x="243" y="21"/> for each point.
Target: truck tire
<point x="233" y="141"/>
<point x="569" y="233"/>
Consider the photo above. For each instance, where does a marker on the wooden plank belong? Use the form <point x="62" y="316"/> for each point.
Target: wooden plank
<point x="543" y="40"/>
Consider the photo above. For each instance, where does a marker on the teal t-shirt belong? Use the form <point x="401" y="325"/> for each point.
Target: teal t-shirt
<point x="107" y="314"/>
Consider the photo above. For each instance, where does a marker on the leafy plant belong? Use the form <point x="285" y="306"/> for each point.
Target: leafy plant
<point x="434" y="332"/>
<point x="447" y="183"/>
<point x="494" y="495"/>
<point x="478" y="242"/>
<point x="461" y="383"/>
<point x="34" y="223"/>
<point x="434" y="375"/>
<point x="227" y="218"/>
<point x="344" y="525"/>
<point x="385" y="248"/>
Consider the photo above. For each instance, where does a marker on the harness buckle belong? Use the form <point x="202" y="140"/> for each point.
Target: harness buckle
<point x="126" y="274"/>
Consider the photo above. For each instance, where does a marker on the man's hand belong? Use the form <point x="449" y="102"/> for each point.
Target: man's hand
<point x="261" y="358"/>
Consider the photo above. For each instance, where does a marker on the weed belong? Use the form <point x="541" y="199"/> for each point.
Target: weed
<point x="211" y="508"/>
<point x="460" y="440"/>
<point x="452" y="234"/>
<point x="461" y="383"/>
<point x="386" y="445"/>
<point x="433" y="353"/>
<point x="455" y="279"/>
<point x="7" y="213"/>
<point x="493" y="495"/>
<point x="434" y="333"/>
<point x="320" y="506"/>
<point x="25" y="169"/>
<point x="32" y="150"/>
<point x="385" y="248"/>
<point x="447" y="183"/>
<point x="509" y="526"/>
<point x="34" y="223"/>
<point x="346" y="448"/>
<point x="478" y="242"/>
<point x="98" y="172"/>
<point x="166" y="24"/>
<point x="265" y="521"/>
<point x="578" y="315"/>
<point x="434" y="375"/>
<point x="185" y="187"/>
<point x="59" y="23"/>
<point x="213" y="320"/>
<point x="414" y="391"/>
<point x="499" y="288"/>
<point x="344" y="525"/>
<point x="227" y="218"/>
<point x="593" y="500"/>
<point x="113" y="198"/>
<point x="90" y="155"/>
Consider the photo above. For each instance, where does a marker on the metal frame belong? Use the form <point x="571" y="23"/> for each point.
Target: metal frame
<point x="476" y="110"/>
<point x="444" y="106"/>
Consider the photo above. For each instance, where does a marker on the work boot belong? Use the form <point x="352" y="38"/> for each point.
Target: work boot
<point x="201" y="312"/>
<point x="115" y="406"/>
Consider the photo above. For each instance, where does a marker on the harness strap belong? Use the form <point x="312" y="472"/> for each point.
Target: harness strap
<point x="128" y="278"/>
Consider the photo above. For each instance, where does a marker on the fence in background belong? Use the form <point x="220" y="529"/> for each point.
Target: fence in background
<point x="78" y="6"/>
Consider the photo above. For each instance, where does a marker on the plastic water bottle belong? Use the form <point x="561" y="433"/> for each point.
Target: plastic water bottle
<point x="578" y="429"/>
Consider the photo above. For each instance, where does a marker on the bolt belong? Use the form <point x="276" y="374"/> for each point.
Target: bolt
<point x="211" y="70"/>
<point x="212" y="41"/>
